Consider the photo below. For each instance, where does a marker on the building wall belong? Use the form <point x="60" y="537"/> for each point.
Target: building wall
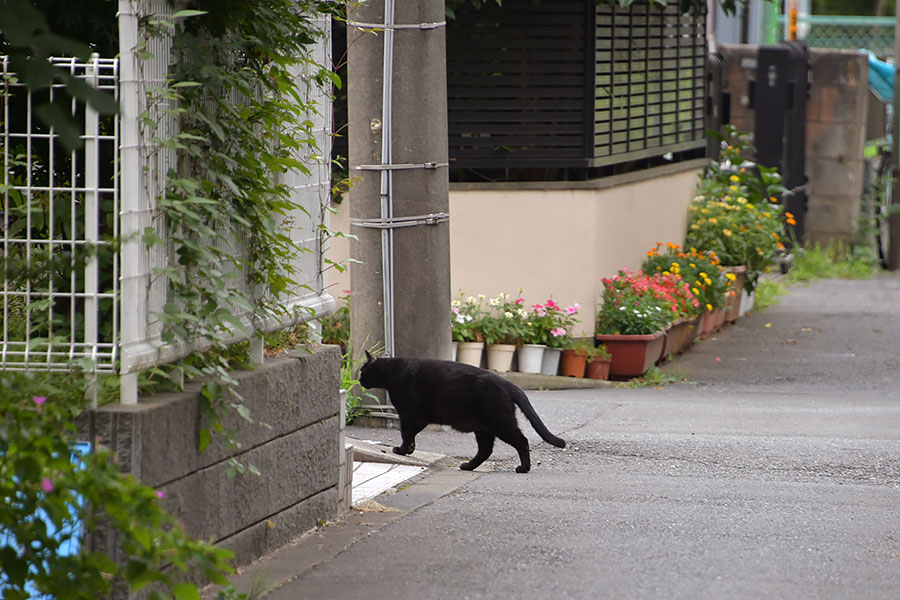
<point x="836" y="115"/>
<point x="555" y="239"/>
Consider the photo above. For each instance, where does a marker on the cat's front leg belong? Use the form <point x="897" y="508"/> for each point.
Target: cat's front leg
<point x="408" y="433"/>
<point x="403" y="449"/>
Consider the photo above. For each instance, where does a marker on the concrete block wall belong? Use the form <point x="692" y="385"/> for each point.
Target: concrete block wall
<point x="297" y="453"/>
<point x="836" y="116"/>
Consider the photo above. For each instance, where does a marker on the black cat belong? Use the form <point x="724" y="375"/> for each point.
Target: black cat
<point x="450" y="393"/>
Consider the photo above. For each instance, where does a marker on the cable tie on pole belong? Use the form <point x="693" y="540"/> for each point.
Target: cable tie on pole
<point x="396" y="26"/>
<point x="398" y="222"/>
<point x="401" y="167"/>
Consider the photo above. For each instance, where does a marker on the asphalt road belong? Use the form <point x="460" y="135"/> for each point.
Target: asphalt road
<point x="773" y="471"/>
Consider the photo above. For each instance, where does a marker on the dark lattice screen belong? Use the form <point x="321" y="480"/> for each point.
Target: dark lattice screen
<point x="650" y="82"/>
<point x="573" y="84"/>
<point x="516" y="83"/>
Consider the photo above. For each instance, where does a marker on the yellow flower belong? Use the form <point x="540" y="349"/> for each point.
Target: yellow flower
<point x="708" y="306"/>
<point x="704" y="275"/>
<point x="695" y="226"/>
<point x="733" y="188"/>
<point x="666" y="273"/>
<point x="693" y="266"/>
<point x="734" y="178"/>
<point x="727" y="232"/>
<point x="695" y="290"/>
<point x="742" y="200"/>
<point x="713" y="220"/>
<point x="731" y="276"/>
<point x="708" y="281"/>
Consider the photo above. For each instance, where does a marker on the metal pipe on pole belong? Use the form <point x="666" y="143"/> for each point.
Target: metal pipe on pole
<point x="399" y="203"/>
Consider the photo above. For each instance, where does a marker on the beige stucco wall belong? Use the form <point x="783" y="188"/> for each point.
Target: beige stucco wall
<point x="555" y="239"/>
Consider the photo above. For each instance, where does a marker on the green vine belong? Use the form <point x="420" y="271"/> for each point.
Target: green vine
<point x="237" y="84"/>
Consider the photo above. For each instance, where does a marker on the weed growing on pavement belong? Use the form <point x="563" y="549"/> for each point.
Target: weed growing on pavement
<point x="653" y="377"/>
<point x="767" y="294"/>
<point x="837" y="260"/>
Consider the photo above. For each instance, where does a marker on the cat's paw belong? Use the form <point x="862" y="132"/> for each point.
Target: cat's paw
<point x="522" y="469"/>
<point x="467" y="466"/>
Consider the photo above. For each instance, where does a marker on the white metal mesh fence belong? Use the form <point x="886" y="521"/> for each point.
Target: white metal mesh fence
<point x="57" y="206"/>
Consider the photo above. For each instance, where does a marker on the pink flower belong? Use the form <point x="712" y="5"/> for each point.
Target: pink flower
<point x="454" y="310"/>
<point x="571" y="310"/>
<point x="160" y="494"/>
<point x="520" y="301"/>
<point x="718" y="359"/>
<point x="39" y="400"/>
<point x="539" y="311"/>
<point x="46" y="485"/>
<point x="551" y="304"/>
<point x="558" y="332"/>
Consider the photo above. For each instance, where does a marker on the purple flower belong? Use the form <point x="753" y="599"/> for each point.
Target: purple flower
<point x="46" y="485"/>
<point x="39" y="400"/>
<point x="160" y="494"/>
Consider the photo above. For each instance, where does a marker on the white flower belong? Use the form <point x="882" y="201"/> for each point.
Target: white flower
<point x="455" y="303"/>
<point x="460" y="318"/>
<point x="522" y="312"/>
<point x="494" y="302"/>
<point x="622" y="308"/>
<point x="471" y="300"/>
<point x="481" y="296"/>
<point x="508" y="315"/>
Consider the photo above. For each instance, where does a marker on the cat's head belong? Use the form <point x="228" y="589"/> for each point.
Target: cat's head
<point x="369" y="374"/>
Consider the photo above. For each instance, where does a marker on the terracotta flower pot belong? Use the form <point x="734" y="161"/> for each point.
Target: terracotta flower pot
<point x="733" y="303"/>
<point x="632" y="355"/>
<point x="573" y="363"/>
<point x="680" y="335"/>
<point x="598" y="368"/>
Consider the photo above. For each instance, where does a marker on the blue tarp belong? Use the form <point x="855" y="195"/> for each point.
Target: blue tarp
<point x="70" y="534"/>
<point x="881" y="78"/>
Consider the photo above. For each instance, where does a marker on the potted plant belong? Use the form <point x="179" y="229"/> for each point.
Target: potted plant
<point x="632" y="320"/>
<point x="500" y="326"/>
<point x="465" y="314"/>
<point x="737" y="214"/>
<point x="598" y="362"/>
<point x="703" y="275"/>
<point x="553" y="326"/>
<point x="574" y="359"/>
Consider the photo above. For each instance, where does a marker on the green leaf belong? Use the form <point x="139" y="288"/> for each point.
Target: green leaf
<point x="203" y="442"/>
<point x="183" y="14"/>
<point x="185" y="591"/>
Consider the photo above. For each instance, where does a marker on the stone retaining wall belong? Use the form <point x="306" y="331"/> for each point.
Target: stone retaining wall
<point x="297" y="453"/>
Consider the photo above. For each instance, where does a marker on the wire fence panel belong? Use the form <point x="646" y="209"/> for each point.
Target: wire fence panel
<point x="845" y="32"/>
<point x="90" y="290"/>
<point x="58" y="223"/>
<point x="144" y="290"/>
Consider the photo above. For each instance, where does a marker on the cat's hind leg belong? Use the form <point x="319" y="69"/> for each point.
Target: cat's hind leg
<point x="517" y="440"/>
<point x="485" y="447"/>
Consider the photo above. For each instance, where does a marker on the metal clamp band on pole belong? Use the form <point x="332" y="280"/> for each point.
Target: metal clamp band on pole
<point x="433" y="25"/>
<point x="401" y="167"/>
<point x="397" y="222"/>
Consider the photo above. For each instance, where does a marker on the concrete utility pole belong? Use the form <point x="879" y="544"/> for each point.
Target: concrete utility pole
<point x="399" y="204"/>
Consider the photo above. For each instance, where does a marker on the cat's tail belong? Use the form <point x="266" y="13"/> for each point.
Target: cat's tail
<point x="524" y="405"/>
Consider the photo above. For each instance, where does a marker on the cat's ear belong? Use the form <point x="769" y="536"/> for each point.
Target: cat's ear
<point x="369" y="358"/>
